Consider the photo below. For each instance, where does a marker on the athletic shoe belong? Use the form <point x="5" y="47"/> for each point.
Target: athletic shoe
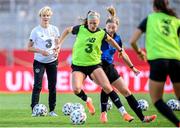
<point x="52" y="113"/>
<point x="128" y="117"/>
<point x="148" y="119"/>
<point x="90" y="106"/>
<point x="103" y="117"/>
<point x="33" y="115"/>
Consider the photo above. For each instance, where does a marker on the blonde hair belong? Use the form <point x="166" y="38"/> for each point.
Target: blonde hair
<point x="93" y="15"/>
<point x="45" y="10"/>
<point x="90" y="15"/>
<point x="112" y="18"/>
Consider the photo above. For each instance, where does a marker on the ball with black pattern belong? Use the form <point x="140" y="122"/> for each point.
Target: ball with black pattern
<point x="78" y="106"/>
<point x="67" y="109"/>
<point x="40" y="110"/>
<point x="143" y="104"/>
<point x="78" y="117"/>
<point x="174" y="104"/>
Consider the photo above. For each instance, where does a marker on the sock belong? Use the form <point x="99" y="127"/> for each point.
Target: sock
<point x="115" y="99"/>
<point x="122" y="110"/>
<point x="166" y="111"/>
<point x="104" y="101"/>
<point x="82" y="95"/>
<point x="135" y="106"/>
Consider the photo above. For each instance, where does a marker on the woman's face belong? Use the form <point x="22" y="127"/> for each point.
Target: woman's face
<point x="111" y="28"/>
<point x="45" y="18"/>
<point x="93" y="24"/>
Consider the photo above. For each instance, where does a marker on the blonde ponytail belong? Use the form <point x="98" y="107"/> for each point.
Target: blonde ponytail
<point x="112" y="11"/>
<point x="112" y="18"/>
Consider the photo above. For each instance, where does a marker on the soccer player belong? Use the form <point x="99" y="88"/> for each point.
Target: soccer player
<point x="43" y="40"/>
<point x="162" y="29"/>
<point x="115" y="79"/>
<point x="86" y="59"/>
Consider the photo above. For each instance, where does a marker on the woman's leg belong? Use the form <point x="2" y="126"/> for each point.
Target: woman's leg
<point x="122" y="87"/>
<point x="38" y="69"/>
<point x="176" y="87"/>
<point x="51" y="70"/>
<point x="77" y="82"/>
<point x="156" y="93"/>
<point x="102" y="80"/>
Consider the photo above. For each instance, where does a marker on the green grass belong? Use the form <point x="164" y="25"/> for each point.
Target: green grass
<point x="15" y="111"/>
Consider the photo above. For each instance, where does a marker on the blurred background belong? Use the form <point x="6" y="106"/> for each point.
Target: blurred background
<point x="19" y="17"/>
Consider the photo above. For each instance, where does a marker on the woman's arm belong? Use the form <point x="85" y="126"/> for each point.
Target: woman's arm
<point x="61" y="40"/>
<point x="113" y="43"/>
<point x="64" y="35"/>
<point x="30" y="48"/>
<point x="127" y="60"/>
<point x="133" y="41"/>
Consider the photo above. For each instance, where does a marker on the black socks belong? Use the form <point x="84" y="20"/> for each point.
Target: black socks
<point x="166" y="111"/>
<point x="135" y="107"/>
<point x="104" y="101"/>
<point x="115" y="99"/>
<point x="82" y="95"/>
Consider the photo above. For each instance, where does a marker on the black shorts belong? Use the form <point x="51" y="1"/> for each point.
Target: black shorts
<point x="87" y="70"/>
<point x="161" y="68"/>
<point x="110" y="71"/>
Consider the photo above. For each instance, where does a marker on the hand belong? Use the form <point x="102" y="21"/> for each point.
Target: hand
<point x="56" y="51"/>
<point x="136" y="71"/>
<point x="142" y="55"/>
<point x="44" y="53"/>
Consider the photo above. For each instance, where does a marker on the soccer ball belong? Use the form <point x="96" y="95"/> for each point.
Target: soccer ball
<point x="143" y="104"/>
<point x="174" y="104"/>
<point x="109" y="105"/>
<point x="40" y="110"/>
<point x="78" y="117"/>
<point x="67" y="108"/>
<point x="78" y="106"/>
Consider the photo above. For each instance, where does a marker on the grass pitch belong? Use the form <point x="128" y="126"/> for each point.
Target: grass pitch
<point x="15" y="111"/>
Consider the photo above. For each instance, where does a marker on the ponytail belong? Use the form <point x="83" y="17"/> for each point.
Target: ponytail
<point x="83" y="21"/>
<point x="112" y="11"/>
<point x="162" y="5"/>
<point x="112" y="18"/>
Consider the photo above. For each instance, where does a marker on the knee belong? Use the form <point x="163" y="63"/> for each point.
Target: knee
<point x="76" y="90"/>
<point x="107" y="89"/>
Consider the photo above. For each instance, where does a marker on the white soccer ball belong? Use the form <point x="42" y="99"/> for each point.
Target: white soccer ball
<point x="109" y="105"/>
<point x="78" y="117"/>
<point x="143" y="104"/>
<point x="78" y="106"/>
<point x="67" y="109"/>
<point x="174" y="104"/>
<point x="40" y="110"/>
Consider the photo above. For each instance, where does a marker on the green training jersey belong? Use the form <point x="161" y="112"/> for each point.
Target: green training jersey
<point x="162" y="40"/>
<point x="87" y="47"/>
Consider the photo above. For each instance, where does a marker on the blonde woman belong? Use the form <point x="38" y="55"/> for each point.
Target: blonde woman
<point x="86" y="58"/>
<point x="42" y="41"/>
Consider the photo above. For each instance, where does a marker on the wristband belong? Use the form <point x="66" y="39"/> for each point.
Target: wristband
<point x="139" y="52"/>
<point x="120" y="50"/>
<point x="132" y="67"/>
